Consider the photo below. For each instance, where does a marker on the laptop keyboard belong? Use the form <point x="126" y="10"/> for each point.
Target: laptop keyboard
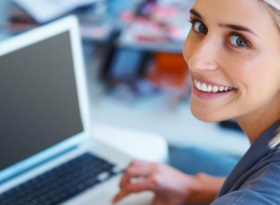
<point x="61" y="183"/>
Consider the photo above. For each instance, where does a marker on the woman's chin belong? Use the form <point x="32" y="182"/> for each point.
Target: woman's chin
<point x="205" y="115"/>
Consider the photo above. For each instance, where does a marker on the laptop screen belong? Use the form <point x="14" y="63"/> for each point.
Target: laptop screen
<point x="38" y="99"/>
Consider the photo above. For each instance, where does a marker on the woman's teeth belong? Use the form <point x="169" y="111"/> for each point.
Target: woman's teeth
<point x="209" y="88"/>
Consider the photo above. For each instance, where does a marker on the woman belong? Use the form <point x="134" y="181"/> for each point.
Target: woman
<point x="233" y="54"/>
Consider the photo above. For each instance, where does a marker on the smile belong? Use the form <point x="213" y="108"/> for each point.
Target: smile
<point x="211" y="88"/>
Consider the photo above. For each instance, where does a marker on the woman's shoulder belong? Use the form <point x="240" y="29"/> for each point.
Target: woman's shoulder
<point x="272" y="156"/>
<point x="261" y="187"/>
<point x="265" y="175"/>
<point x="265" y="172"/>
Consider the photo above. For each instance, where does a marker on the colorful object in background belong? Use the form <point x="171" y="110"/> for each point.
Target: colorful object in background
<point x="169" y="70"/>
<point x="169" y="73"/>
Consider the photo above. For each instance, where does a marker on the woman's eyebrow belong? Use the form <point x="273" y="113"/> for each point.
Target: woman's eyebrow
<point x="237" y="28"/>
<point x="195" y="13"/>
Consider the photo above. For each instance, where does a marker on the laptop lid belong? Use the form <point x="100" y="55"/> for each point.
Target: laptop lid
<point x="44" y="106"/>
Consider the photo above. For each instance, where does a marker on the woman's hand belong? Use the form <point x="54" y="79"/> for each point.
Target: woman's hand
<point x="170" y="186"/>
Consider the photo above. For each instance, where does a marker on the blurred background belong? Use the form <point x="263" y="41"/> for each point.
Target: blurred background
<point x="137" y="77"/>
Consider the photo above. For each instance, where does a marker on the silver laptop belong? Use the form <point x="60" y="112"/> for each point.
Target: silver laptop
<point x="48" y="155"/>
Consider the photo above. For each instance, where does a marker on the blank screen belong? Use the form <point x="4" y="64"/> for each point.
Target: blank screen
<point x="38" y="99"/>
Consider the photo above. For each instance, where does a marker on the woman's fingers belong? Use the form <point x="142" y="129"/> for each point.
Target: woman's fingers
<point x="133" y="187"/>
<point x="169" y="186"/>
<point x="120" y="196"/>
<point x="146" y="184"/>
<point x="162" y="200"/>
<point x="156" y="201"/>
<point x="136" y="169"/>
<point x="139" y="176"/>
<point x="159" y="201"/>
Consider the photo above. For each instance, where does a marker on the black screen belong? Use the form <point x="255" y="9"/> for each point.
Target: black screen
<point x="38" y="99"/>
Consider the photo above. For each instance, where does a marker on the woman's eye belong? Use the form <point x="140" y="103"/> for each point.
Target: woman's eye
<point x="238" y="41"/>
<point x="199" y="27"/>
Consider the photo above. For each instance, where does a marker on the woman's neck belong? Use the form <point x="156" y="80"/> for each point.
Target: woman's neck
<point x="254" y="124"/>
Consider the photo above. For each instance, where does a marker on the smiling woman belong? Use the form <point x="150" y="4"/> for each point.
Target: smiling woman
<point x="235" y="52"/>
<point x="232" y="53"/>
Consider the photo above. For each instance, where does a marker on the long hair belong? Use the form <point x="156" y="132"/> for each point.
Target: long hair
<point x="274" y="9"/>
<point x="276" y="140"/>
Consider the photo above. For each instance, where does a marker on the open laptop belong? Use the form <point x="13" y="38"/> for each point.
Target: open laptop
<point x="47" y="153"/>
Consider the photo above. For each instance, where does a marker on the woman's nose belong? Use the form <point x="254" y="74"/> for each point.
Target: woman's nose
<point x="203" y="57"/>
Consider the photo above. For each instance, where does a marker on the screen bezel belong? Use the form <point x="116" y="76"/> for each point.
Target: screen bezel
<point x="36" y="35"/>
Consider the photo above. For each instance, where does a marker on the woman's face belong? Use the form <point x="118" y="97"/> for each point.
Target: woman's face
<point x="233" y="54"/>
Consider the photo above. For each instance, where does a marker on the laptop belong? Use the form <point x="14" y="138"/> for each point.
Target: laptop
<point x="48" y="154"/>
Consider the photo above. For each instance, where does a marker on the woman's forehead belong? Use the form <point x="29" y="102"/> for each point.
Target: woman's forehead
<point x="233" y="9"/>
<point x="248" y="13"/>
